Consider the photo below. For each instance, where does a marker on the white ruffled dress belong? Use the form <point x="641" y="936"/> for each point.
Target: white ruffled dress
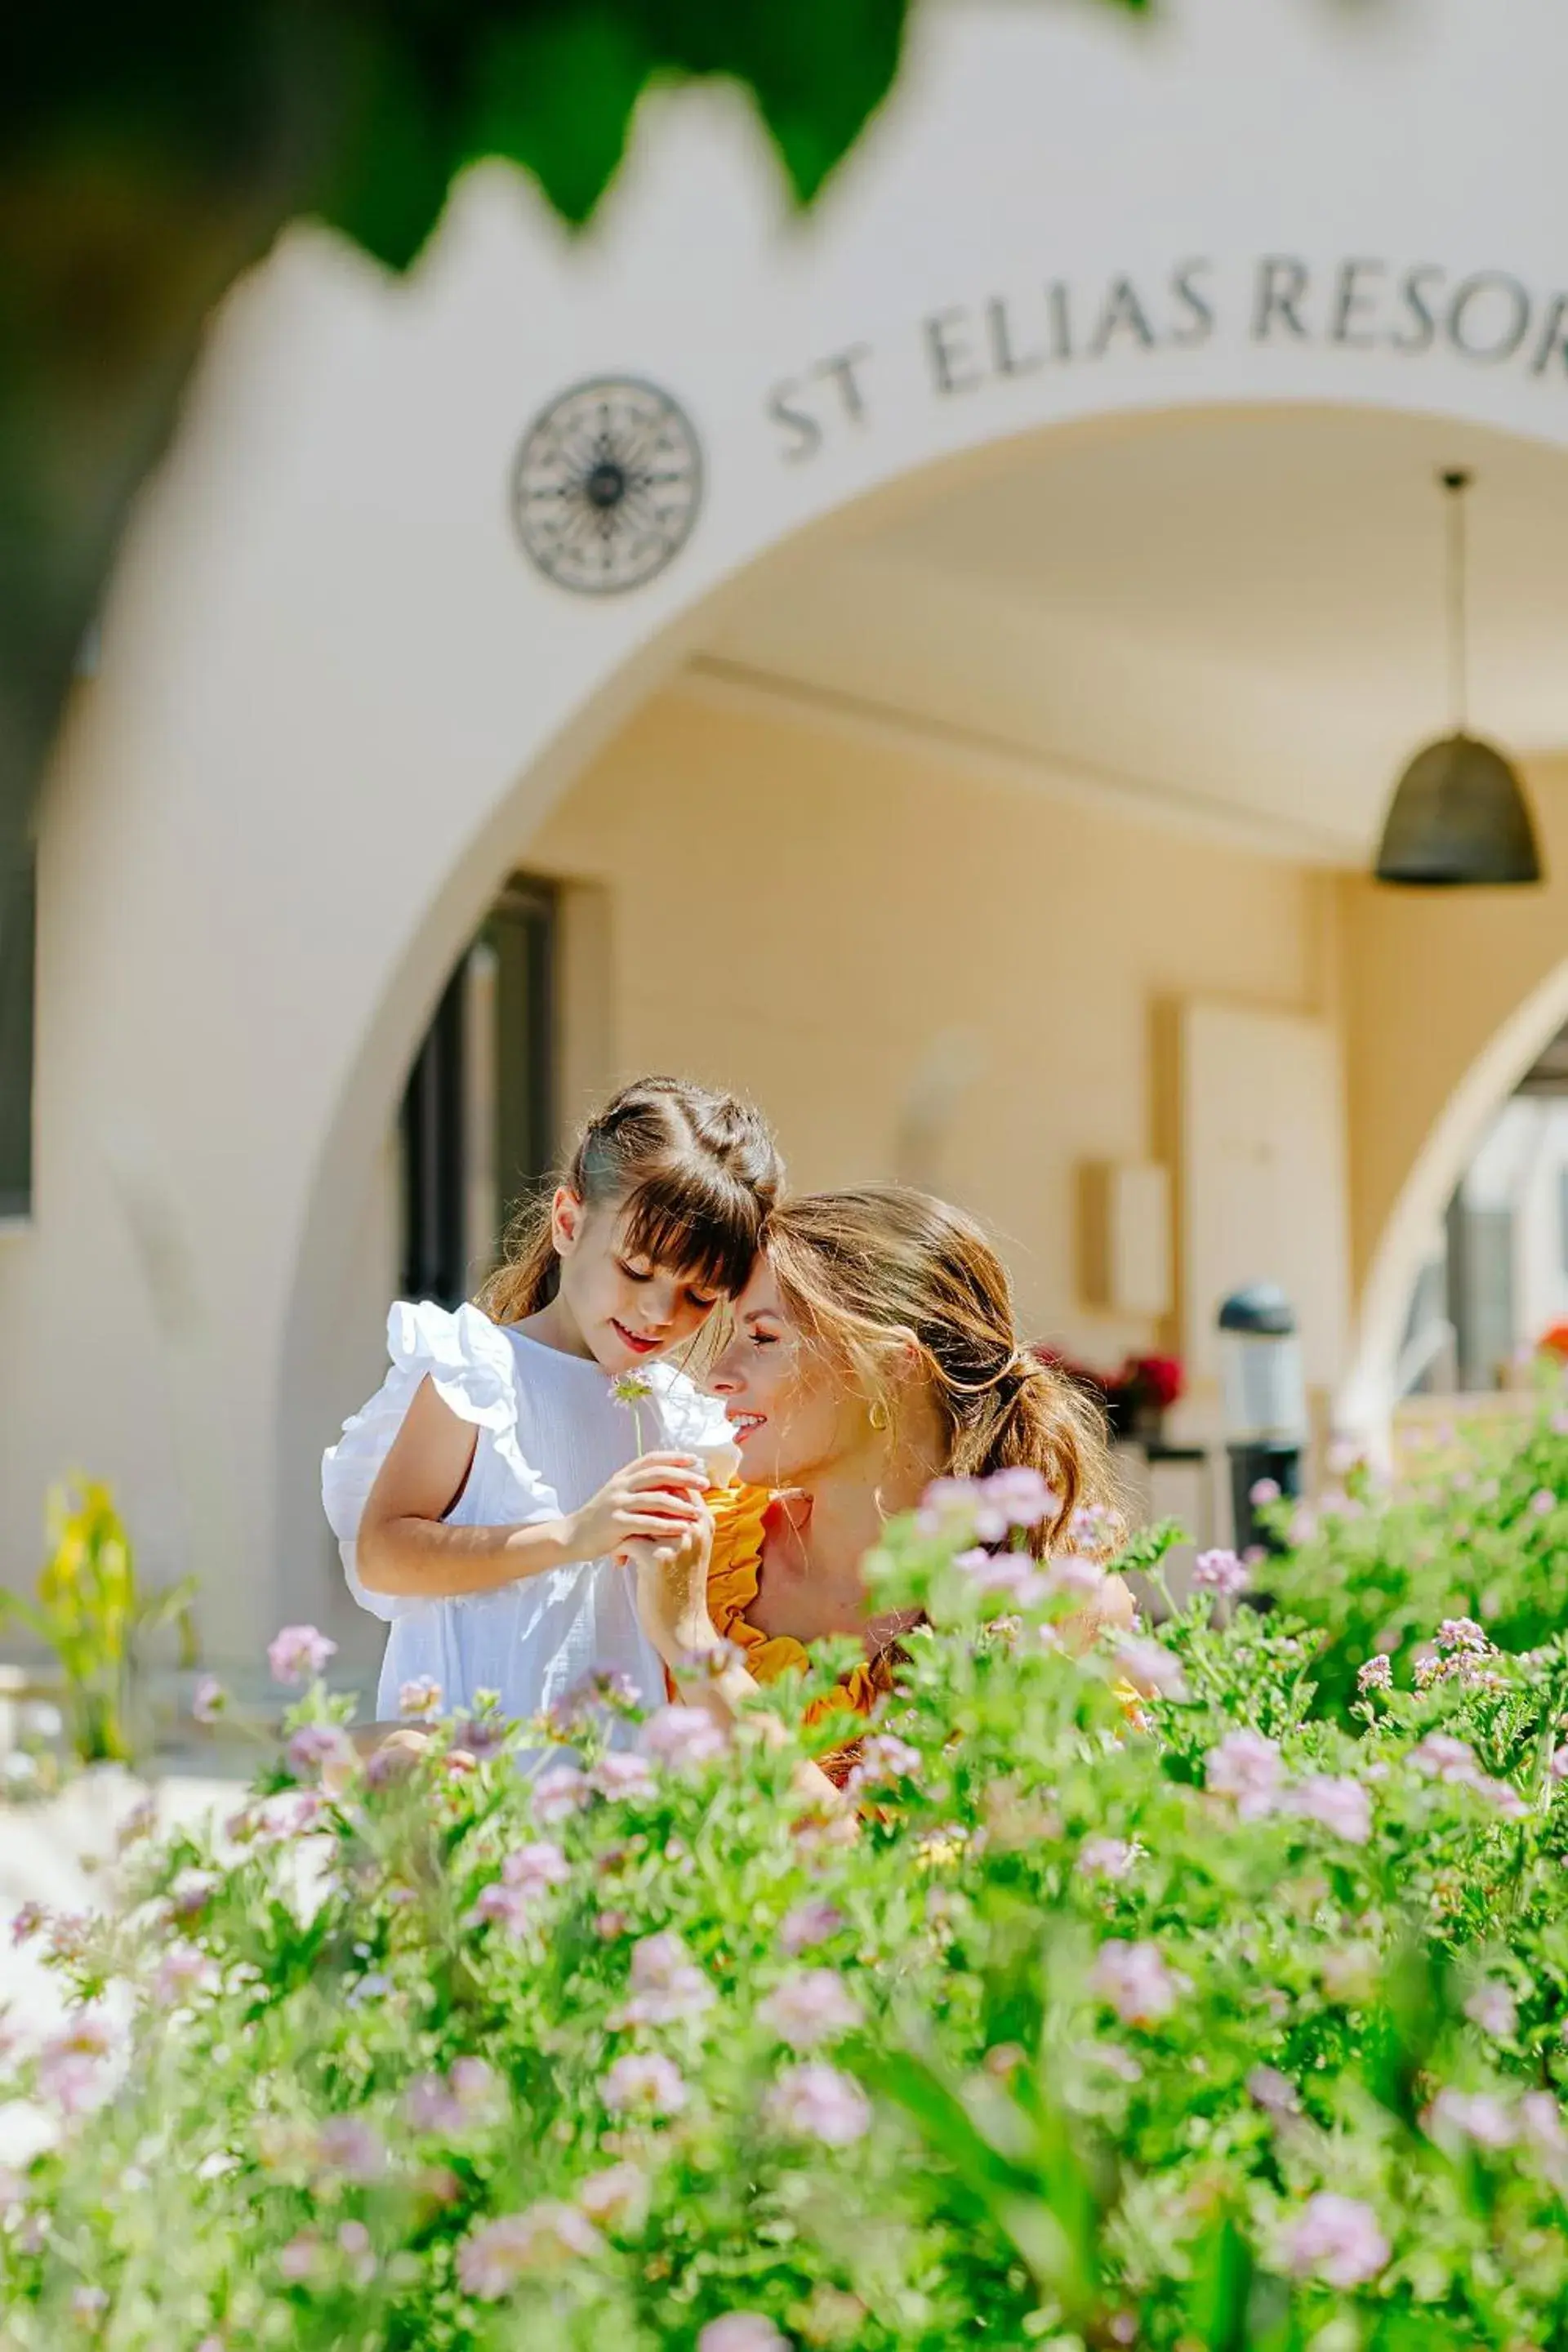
<point x="550" y="1434"/>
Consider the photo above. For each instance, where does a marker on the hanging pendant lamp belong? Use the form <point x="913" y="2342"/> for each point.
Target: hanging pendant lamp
<point x="1458" y="816"/>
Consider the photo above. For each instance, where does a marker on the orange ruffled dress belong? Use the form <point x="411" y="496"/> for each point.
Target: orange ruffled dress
<point x="740" y="1531"/>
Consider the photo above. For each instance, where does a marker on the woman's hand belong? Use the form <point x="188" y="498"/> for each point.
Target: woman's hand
<point x="655" y="1498"/>
<point x="671" y="1579"/>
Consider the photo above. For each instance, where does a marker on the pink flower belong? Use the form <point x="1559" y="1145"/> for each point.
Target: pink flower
<point x="1093" y="1527"/>
<point x="1022" y="1496"/>
<point x="667" y="1987"/>
<point x="1339" y="1803"/>
<point x="492" y="2258"/>
<point x="299" y="1654"/>
<point x="618" y="1774"/>
<point x="1075" y="1576"/>
<point x="208" y="1700"/>
<point x="1246" y="1767"/>
<point x="351" y="2148"/>
<point x="559" y="1791"/>
<point x="1543" y="1502"/>
<point x="296" y="1812"/>
<point x="813" y="2006"/>
<point x="190" y="1891"/>
<point x="1462" y="1633"/>
<point x="30" y="1920"/>
<point x="816" y="2102"/>
<point x="1542" y="2120"/>
<point x="1502" y="1796"/>
<point x="1106" y="1857"/>
<point x="71" y="2073"/>
<point x="420" y="1697"/>
<point x="501" y="1905"/>
<point x="884" y="1757"/>
<point x="644" y="2082"/>
<point x="1152" y="1667"/>
<point x="532" y="1869"/>
<point x="1473" y="2116"/>
<point x="951" y="1507"/>
<point x="1275" y="2092"/>
<point x="1337" y="2239"/>
<point x="682" y="1739"/>
<point x="1135" y="1981"/>
<point x="429" y="2106"/>
<point x="1220" y="1572"/>
<point x="316" y="1745"/>
<point x="741" y="2331"/>
<point x="299" y="2259"/>
<point x="616" y="2198"/>
<point x="1006" y="1572"/>
<point x="1492" y="2007"/>
<point x="185" y="1969"/>
<point x="1444" y="1757"/>
<point x="470" y="2094"/>
<point x="811" y="1922"/>
<point x="1263" y="1492"/>
<point x="1376" y="1674"/>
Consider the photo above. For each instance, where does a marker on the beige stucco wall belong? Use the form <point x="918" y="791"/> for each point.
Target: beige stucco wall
<point x="822" y="921"/>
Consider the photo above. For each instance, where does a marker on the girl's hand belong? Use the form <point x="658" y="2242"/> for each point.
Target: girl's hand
<point x="655" y="1497"/>
<point x="671" y="1575"/>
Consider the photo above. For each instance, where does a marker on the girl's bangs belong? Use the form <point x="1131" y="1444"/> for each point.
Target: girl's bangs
<point x="700" y="1221"/>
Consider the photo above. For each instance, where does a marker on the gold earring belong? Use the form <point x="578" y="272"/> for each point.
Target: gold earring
<point x="878" y="1417"/>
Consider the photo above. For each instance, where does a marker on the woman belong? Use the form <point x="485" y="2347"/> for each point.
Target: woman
<point x="873" y="1350"/>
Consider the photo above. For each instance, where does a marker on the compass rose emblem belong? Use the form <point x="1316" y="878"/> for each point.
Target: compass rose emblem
<point x="607" y="485"/>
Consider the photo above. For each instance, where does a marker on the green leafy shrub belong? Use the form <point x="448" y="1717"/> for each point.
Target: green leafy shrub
<point x="1192" y="2019"/>
<point x="1477" y="1526"/>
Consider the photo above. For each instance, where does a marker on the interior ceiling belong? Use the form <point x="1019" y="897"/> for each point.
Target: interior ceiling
<point x="1239" y="613"/>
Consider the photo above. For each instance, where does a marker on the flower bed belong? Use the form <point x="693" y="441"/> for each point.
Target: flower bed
<point x="1207" y="2020"/>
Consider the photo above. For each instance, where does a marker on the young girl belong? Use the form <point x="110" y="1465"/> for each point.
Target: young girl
<point x="481" y="1496"/>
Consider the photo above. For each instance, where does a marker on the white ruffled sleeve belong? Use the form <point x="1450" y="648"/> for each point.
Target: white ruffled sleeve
<point x="471" y="1365"/>
<point x="695" y="1424"/>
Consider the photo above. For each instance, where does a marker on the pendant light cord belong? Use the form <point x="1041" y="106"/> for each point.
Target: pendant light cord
<point x="1457" y="484"/>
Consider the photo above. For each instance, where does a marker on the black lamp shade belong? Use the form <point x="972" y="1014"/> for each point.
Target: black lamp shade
<point x="1459" y="816"/>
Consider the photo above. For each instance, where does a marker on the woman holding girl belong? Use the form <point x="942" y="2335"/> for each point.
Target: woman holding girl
<point x="873" y="1352"/>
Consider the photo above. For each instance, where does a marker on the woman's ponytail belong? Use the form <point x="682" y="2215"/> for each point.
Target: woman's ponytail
<point x="1037" y="1419"/>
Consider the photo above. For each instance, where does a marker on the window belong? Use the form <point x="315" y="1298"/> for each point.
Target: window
<point x="478" y="1115"/>
<point x="19" y="929"/>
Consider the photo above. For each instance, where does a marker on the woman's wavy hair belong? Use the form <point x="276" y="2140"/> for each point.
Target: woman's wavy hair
<point x="872" y="1274"/>
<point x="694" y="1173"/>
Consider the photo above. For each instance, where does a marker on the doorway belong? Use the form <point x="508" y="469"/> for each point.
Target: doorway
<point x="478" y="1125"/>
